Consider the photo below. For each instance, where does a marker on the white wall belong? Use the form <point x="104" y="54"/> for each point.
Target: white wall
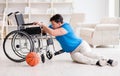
<point x="117" y="8"/>
<point x="111" y="8"/>
<point x="94" y="9"/>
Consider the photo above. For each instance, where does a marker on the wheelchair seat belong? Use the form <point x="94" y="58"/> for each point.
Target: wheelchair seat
<point x="32" y="30"/>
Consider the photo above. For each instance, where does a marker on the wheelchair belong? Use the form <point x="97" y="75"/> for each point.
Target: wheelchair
<point x="18" y="43"/>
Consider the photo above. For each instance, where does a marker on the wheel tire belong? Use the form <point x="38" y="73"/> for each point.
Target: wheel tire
<point x="42" y="58"/>
<point x="49" y="55"/>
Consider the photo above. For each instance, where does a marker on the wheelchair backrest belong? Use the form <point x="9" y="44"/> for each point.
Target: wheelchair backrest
<point x="20" y="20"/>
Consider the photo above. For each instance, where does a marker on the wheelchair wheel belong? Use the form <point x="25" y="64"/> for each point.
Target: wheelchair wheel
<point x="49" y="55"/>
<point x="17" y="45"/>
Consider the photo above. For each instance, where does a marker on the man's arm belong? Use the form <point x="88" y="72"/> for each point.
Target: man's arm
<point x="54" y="32"/>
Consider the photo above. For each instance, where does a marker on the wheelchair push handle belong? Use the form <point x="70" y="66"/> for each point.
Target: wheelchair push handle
<point x="12" y="13"/>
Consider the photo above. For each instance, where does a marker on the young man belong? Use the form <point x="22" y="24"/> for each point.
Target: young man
<point x="79" y="49"/>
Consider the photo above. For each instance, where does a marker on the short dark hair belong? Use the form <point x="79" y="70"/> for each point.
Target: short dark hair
<point x="57" y="18"/>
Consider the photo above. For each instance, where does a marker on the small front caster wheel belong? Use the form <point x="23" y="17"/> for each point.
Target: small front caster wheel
<point x="49" y="55"/>
<point x="42" y="58"/>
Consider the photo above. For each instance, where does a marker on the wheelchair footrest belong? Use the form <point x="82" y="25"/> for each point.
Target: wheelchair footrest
<point x="59" y="52"/>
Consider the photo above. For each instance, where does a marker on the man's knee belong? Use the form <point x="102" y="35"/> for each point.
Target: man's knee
<point x="77" y="57"/>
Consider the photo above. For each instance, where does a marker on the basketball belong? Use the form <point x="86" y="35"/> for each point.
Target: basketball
<point x="32" y="59"/>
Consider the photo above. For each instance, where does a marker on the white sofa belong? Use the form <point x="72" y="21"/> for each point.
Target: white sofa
<point x="104" y="33"/>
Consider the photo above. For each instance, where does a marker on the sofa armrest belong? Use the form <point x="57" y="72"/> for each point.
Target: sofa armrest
<point x="87" y="31"/>
<point x="85" y="25"/>
<point x="107" y="27"/>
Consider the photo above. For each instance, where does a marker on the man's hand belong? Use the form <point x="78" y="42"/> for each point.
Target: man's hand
<point x="38" y="23"/>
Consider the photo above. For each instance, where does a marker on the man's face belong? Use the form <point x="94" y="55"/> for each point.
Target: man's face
<point x="56" y="25"/>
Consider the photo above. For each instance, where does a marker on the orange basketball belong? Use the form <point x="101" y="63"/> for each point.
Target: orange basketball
<point x="32" y="59"/>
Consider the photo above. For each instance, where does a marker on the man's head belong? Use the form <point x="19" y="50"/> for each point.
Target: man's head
<point x="56" y="20"/>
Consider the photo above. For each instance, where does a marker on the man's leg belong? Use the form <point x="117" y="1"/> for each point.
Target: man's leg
<point x="78" y="55"/>
<point x="80" y="58"/>
<point x="86" y="50"/>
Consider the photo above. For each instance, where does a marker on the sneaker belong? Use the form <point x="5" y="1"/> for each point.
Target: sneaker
<point x="102" y="62"/>
<point x="112" y="62"/>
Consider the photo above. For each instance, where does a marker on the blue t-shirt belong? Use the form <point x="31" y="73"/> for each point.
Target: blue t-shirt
<point x="69" y="41"/>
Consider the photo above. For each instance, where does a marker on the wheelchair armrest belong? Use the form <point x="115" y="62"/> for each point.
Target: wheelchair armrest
<point x="27" y="24"/>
